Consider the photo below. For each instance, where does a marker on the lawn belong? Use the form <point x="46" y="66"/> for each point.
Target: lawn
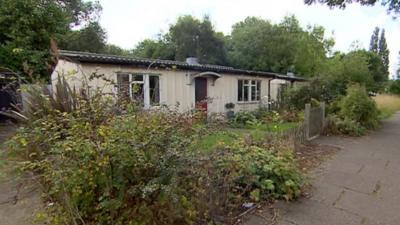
<point x="387" y="104"/>
<point x="226" y="135"/>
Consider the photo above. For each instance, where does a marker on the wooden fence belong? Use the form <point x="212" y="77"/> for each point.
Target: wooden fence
<point x="312" y="127"/>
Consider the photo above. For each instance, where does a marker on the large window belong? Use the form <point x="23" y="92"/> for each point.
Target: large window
<point x="249" y="90"/>
<point x="141" y="88"/>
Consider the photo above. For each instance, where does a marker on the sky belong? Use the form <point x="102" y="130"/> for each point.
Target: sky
<point x="128" y="22"/>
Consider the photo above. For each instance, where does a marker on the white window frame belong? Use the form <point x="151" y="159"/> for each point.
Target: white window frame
<point x="249" y="86"/>
<point x="146" y="87"/>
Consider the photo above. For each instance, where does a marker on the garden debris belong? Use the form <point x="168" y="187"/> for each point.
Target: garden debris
<point x="310" y="155"/>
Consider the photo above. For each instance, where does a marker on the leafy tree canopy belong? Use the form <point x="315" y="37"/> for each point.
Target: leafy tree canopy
<point x="392" y="5"/>
<point x="156" y="49"/>
<point x="188" y="37"/>
<point x="92" y="38"/>
<point x="260" y="45"/>
<point x="27" y="26"/>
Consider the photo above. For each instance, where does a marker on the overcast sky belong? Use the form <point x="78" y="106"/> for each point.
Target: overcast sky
<point x="127" y="22"/>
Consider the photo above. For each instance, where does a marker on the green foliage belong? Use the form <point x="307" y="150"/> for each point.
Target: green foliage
<point x="194" y="38"/>
<point x="318" y="89"/>
<point x="244" y="117"/>
<point x="394" y="87"/>
<point x="115" y="50"/>
<point x="359" y="107"/>
<point x="91" y="38"/>
<point x="188" y="37"/>
<point x="253" y="44"/>
<point x="359" y="67"/>
<point x="356" y="70"/>
<point x="27" y="26"/>
<point x="260" y="45"/>
<point x="346" y="126"/>
<point x="392" y="5"/>
<point x="154" y="49"/>
<point x="384" y="51"/>
<point x="373" y="45"/>
<point x="397" y="75"/>
<point x="98" y="167"/>
<point x="268" y="173"/>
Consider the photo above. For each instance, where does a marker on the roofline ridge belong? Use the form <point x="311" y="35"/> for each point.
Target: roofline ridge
<point x="132" y="59"/>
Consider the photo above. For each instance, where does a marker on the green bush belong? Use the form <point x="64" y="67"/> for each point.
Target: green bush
<point x="281" y="116"/>
<point x="345" y="126"/>
<point x="394" y="87"/>
<point x="263" y="173"/>
<point x="318" y="89"/>
<point x="98" y="167"/>
<point x="244" y="117"/>
<point x="138" y="169"/>
<point x="357" y="106"/>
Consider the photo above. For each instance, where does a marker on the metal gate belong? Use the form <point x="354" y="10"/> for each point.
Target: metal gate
<point x="8" y="92"/>
<point x="314" y="118"/>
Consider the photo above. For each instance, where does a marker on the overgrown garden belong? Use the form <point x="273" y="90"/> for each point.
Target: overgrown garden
<point x="99" y="165"/>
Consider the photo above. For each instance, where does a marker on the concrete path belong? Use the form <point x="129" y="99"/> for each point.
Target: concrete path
<point x="360" y="185"/>
<point x="19" y="198"/>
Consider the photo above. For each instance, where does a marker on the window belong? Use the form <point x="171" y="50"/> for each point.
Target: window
<point x="154" y="85"/>
<point x="141" y="88"/>
<point x="249" y="90"/>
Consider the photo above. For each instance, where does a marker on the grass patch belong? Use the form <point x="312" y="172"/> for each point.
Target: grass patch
<point x="277" y="127"/>
<point x="387" y="105"/>
<point x="211" y="141"/>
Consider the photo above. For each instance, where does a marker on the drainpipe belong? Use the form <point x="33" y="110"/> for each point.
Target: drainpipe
<point x="269" y="93"/>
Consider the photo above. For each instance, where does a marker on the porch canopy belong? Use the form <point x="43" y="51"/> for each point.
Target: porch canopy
<point x="209" y="74"/>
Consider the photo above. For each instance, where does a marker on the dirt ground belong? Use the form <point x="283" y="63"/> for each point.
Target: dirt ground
<point x="19" y="196"/>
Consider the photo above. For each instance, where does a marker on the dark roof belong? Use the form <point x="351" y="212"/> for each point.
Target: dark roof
<point x="157" y="63"/>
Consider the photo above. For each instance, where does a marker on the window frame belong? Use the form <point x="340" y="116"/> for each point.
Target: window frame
<point x="147" y="103"/>
<point x="247" y="86"/>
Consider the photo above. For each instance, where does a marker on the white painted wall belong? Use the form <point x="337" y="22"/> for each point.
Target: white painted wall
<point x="175" y="87"/>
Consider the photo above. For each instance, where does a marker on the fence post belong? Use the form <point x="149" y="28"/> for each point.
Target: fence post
<point x="307" y="121"/>
<point x="322" y="105"/>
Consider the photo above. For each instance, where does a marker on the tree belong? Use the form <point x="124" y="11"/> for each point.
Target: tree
<point x="356" y="70"/>
<point x="79" y="11"/>
<point x="379" y="52"/>
<point x="259" y="45"/>
<point x="154" y="49"/>
<point x="115" y="50"/>
<point x="27" y="26"/>
<point x="191" y="37"/>
<point x="373" y="46"/>
<point x="357" y="67"/>
<point x="398" y="70"/>
<point x="188" y="37"/>
<point x="248" y="45"/>
<point x="383" y="51"/>
<point x="393" y="6"/>
<point x="376" y="69"/>
<point x="92" y="38"/>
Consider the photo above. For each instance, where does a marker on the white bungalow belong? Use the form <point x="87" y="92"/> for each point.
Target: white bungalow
<point x="184" y="84"/>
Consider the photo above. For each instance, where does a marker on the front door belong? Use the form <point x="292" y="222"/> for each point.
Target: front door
<point x="201" y="93"/>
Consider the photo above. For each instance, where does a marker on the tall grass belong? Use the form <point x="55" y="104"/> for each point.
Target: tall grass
<point x="387" y="104"/>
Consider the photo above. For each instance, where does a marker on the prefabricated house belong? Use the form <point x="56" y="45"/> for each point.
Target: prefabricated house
<point x="186" y="85"/>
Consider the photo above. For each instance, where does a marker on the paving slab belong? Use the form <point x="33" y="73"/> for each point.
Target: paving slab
<point x="299" y="213"/>
<point x="360" y="185"/>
